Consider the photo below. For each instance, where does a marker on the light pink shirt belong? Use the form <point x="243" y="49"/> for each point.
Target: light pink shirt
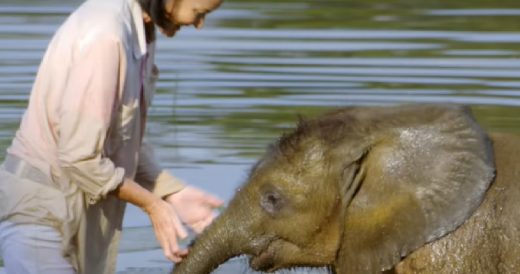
<point x="84" y="127"/>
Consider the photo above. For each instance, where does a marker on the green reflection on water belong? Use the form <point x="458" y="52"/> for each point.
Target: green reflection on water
<point x="498" y="119"/>
<point x="377" y="14"/>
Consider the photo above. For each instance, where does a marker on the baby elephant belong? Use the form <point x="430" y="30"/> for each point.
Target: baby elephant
<point x="408" y="189"/>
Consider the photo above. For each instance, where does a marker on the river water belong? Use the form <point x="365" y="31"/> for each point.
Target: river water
<point x="227" y="91"/>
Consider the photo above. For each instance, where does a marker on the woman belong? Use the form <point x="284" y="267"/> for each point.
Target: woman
<point x="79" y="154"/>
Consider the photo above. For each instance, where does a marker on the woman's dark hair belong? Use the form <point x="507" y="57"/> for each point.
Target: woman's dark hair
<point x="156" y="10"/>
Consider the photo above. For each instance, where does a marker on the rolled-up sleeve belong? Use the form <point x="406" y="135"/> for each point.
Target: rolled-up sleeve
<point x="86" y="110"/>
<point x="152" y="177"/>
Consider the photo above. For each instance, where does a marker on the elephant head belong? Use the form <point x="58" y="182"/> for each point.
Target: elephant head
<point x="356" y="189"/>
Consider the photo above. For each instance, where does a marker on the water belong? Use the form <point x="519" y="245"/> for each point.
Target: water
<point x="228" y="90"/>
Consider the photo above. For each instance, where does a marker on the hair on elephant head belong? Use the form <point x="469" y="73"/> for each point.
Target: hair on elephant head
<point x="356" y="189"/>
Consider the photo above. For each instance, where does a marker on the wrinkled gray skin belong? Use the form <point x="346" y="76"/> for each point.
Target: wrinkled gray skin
<point x="372" y="189"/>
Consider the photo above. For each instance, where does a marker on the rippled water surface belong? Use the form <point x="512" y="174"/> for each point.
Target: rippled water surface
<point x="227" y="91"/>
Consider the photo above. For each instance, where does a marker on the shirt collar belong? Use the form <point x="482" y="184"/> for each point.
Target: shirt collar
<point x="140" y="46"/>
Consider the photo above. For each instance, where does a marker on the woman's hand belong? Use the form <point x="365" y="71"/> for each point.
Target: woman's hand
<point x="194" y="207"/>
<point x="167" y="227"/>
<point x="165" y="220"/>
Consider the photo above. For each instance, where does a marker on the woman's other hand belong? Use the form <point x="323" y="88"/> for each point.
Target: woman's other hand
<point x="194" y="207"/>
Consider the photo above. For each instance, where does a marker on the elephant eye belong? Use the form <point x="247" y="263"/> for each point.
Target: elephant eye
<point x="272" y="202"/>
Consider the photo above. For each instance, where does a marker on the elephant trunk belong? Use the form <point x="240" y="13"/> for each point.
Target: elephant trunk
<point x="218" y="243"/>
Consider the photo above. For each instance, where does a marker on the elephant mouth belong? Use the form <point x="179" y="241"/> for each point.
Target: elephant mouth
<point x="266" y="259"/>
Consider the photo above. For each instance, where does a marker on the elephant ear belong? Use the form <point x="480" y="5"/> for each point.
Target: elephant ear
<point x="425" y="170"/>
